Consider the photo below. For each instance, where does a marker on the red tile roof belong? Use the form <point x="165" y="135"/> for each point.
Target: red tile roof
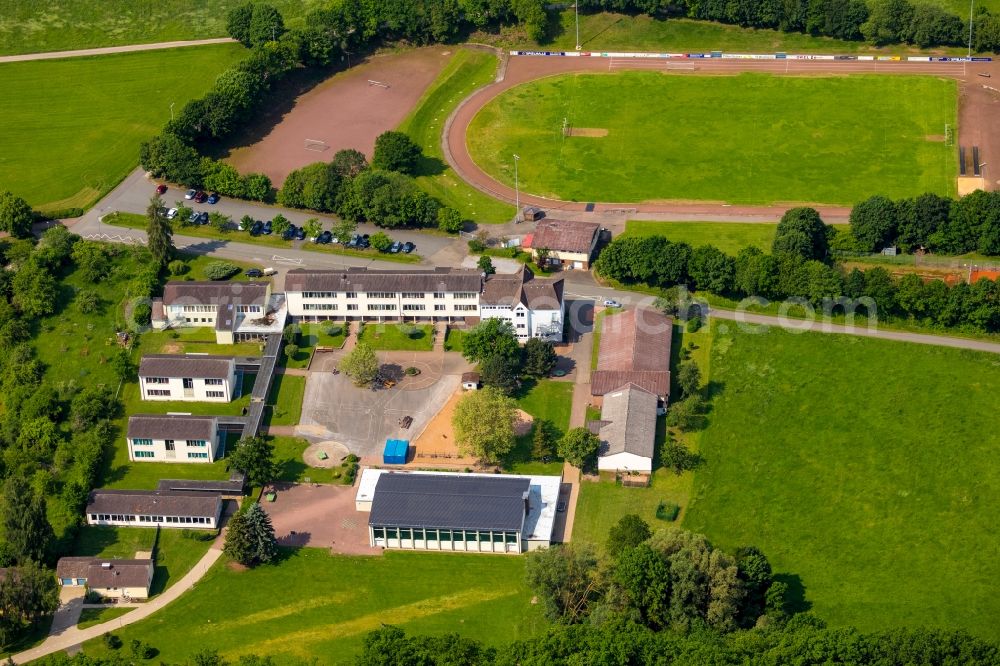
<point x="635" y="348"/>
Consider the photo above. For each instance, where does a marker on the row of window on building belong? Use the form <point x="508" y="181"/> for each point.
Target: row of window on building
<point x="246" y="309"/>
<point x="384" y="307"/>
<point x="193" y="455"/>
<point x="420" y="534"/>
<point x="180" y="520"/>
<point x="166" y="380"/>
<point x="461" y="295"/>
<point x="166" y="393"/>
<point x="170" y="442"/>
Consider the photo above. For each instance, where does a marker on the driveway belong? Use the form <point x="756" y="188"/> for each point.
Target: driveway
<point x="320" y="516"/>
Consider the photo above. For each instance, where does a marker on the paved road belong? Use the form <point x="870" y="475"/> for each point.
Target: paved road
<point x="130" y="48"/>
<point x="978" y="125"/>
<point x="62" y="640"/>
<point x="132" y="196"/>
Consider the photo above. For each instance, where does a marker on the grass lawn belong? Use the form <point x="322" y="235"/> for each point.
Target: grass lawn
<point x="865" y="469"/>
<point x="292" y="468"/>
<point x="134" y="404"/>
<point x="390" y="337"/>
<point x="91" y="616"/>
<point x="312" y="337"/>
<point x="97" y="112"/>
<point x="176" y="551"/>
<point x="604" y="31"/>
<point x="455" y="340"/>
<point x="191" y="340"/>
<point x="544" y="399"/>
<point x="728" y="237"/>
<point x="313" y="604"/>
<point x="59" y="25"/>
<point x="285" y="401"/>
<point x="770" y="138"/>
<point x="465" y="72"/>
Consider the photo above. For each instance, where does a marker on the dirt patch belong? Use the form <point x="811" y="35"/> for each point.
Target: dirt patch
<point x="522" y="426"/>
<point x="172" y="348"/>
<point x="969" y="184"/>
<point x="335" y="454"/>
<point x="586" y="131"/>
<point x="936" y="138"/>
<point x="233" y="565"/>
<point x="436" y="444"/>
<point x="345" y="111"/>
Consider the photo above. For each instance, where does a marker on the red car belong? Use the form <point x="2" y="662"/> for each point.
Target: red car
<point x="161" y="189"/>
<point x="200" y="197"/>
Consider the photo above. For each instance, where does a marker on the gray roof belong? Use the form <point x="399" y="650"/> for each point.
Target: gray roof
<point x="215" y="293"/>
<point x="120" y="573"/>
<point x="523" y="287"/>
<point x="73" y="567"/>
<point x="155" y="503"/>
<point x="365" y="280"/>
<point x="630" y="416"/>
<point x="199" y="366"/>
<point x="459" y="502"/>
<point x="171" y="426"/>
<point x="230" y="487"/>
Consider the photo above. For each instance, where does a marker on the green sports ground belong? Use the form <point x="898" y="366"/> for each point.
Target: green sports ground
<point x="638" y="136"/>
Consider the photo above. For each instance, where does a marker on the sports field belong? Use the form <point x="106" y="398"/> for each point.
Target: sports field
<point x="865" y="468"/>
<point x="730" y="237"/>
<point x="752" y="138"/>
<point x="70" y="129"/>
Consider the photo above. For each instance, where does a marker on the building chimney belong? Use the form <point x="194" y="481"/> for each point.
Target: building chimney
<point x="527" y="503"/>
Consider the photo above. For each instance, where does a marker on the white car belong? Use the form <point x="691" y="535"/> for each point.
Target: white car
<point x="611" y="303"/>
<point x="171" y="213"/>
<point x="190" y="194"/>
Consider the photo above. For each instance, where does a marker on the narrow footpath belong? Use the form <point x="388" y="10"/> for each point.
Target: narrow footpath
<point x="128" y="48"/>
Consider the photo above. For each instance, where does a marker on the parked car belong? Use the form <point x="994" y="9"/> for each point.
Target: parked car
<point x="213" y="198"/>
<point x="193" y="217"/>
<point x="267" y="228"/>
<point x="300" y="233"/>
<point x="254" y="273"/>
<point x="395" y="248"/>
<point x="289" y="233"/>
<point x="171" y="213"/>
<point x="270" y="271"/>
<point x="256" y="228"/>
<point x="200" y="197"/>
<point x="408" y="247"/>
<point x="355" y="241"/>
<point x="190" y="194"/>
<point x="161" y="189"/>
<point x="611" y="303"/>
<point x="325" y="237"/>
<point x="364" y="243"/>
<point x="203" y="217"/>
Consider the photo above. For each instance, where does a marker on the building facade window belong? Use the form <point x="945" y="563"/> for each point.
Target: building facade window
<point x="215" y="394"/>
<point x="157" y="392"/>
<point x="145" y="454"/>
<point x="414" y="306"/>
<point x="439" y="308"/>
<point x="319" y="294"/>
<point x="381" y="307"/>
<point x="438" y="294"/>
<point x="213" y="382"/>
<point x="196" y="442"/>
<point x="193" y="454"/>
<point x="352" y="294"/>
<point x="465" y="308"/>
<point x="413" y="294"/>
<point x="157" y="380"/>
<point x="352" y="306"/>
<point x="381" y="294"/>
<point x="328" y="307"/>
<point x="465" y="295"/>
<point x="142" y="442"/>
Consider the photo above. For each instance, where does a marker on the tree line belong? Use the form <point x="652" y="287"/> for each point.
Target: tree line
<point x="878" y="22"/>
<point x="799" y="267"/>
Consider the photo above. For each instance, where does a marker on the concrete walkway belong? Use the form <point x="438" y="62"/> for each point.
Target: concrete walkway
<point x="130" y="48"/>
<point x="68" y="637"/>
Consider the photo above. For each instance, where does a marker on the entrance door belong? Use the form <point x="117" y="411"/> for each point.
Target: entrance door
<point x="188" y="387"/>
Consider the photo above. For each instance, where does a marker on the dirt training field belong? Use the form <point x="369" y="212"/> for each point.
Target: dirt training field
<point x="345" y="111"/>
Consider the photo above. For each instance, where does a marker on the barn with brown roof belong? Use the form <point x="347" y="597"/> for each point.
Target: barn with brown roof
<point x="634" y="349"/>
<point x="570" y="244"/>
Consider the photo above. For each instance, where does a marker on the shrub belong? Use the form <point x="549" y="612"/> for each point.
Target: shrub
<point x="693" y="325"/>
<point x="142" y="313"/>
<point x="477" y="246"/>
<point x="291" y="350"/>
<point x="221" y="270"/>
<point x="411" y="371"/>
<point x="667" y="511"/>
<point x="111" y="641"/>
<point x="178" y="267"/>
<point x="87" y="301"/>
<point x="330" y="328"/>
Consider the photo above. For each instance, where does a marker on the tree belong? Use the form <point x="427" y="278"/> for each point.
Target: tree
<point x="315" y="186"/>
<point x="158" y="233"/>
<point x="266" y="24"/>
<point x="123" y="366"/>
<point x="678" y="458"/>
<point x="220" y="222"/>
<point x="712" y="269"/>
<point x="689" y="378"/>
<point x="803" y="233"/>
<point x="257" y="187"/>
<point x="343" y="230"/>
<point x="250" y="537"/>
<point x="688" y="414"/>
<point x="628" y="532"/>
<point x="498" y="371"/>
<point x="579" y="447"/>
<point x="90" y="406"/>
<point x="254" y="456"/>
<point x="34" y="290"/>
<point x="565" y="579"/>
<point x="312" y="228"/>
<point x="280" y="224"/>
<point x="542" y="441"/>
<point x="15" y="215"/>
<point x="396" y="151"/>
<point x="873" y="223"/>
<point x="28" y="593"/>
<point x="493" y="337"/>
<point x="348" y="162"/>
<point x="539" y="357"/>
<point x="484" y="424"/>
<point x="167" y="156"/>
<point x="449" y="220"/>
<point x="381" y="241"/>
<point x="238" y="23"/>
<point x="221" y="270"/>
<point x="757" y="576"/>
<point x="246" y="223"/>
<point x="485" y="265"/>
<point x="26" y="527"/>
<point x="542" y="258"/>
<point x="360" y="364"/>
<point x="291" y="334"/>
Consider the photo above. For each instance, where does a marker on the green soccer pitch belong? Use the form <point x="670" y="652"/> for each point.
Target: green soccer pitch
<point x="752" y="138"/>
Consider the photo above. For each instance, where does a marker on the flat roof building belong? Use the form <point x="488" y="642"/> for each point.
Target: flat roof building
<point x="154" y="508"/>
<point x="114" y="579"/>
<point x="237" y="311"/>
<point x="484" y="513"/>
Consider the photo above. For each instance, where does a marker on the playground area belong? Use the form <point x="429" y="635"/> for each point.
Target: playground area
<point x="348" y="110"/>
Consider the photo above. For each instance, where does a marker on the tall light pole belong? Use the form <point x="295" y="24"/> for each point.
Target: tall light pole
<point x="972" y="4"/>
<point x="517" y="190"/>
<point x="576" y="8"/>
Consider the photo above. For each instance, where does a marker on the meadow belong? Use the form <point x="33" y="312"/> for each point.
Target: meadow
<point x="314" y="605"/>
<point x="466" y="71"/>
<point x="865" y="469"/>
<point x="60" y="25"/>
<point x="730" y="237"/>
<point x="751" y="138"/>
<point x="70" y="129"/>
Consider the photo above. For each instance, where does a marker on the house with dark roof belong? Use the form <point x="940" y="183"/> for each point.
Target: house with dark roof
<point x="627" y="430"/>
<point x="569" y="244"/>
<point x="113" y="579"/>
<point x="442" y="294"/>
<point x="534" y="307"/>
<point x="482" y="513"/>
<point x="237" y="311"/>
<point x="187" y="377"/>
<point x="178" y="438"/>
<point x="634" y="349"/>
<point x="154" y="508"/>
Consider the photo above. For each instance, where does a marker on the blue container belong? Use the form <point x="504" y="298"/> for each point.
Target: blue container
<point x="395" y="451"/>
